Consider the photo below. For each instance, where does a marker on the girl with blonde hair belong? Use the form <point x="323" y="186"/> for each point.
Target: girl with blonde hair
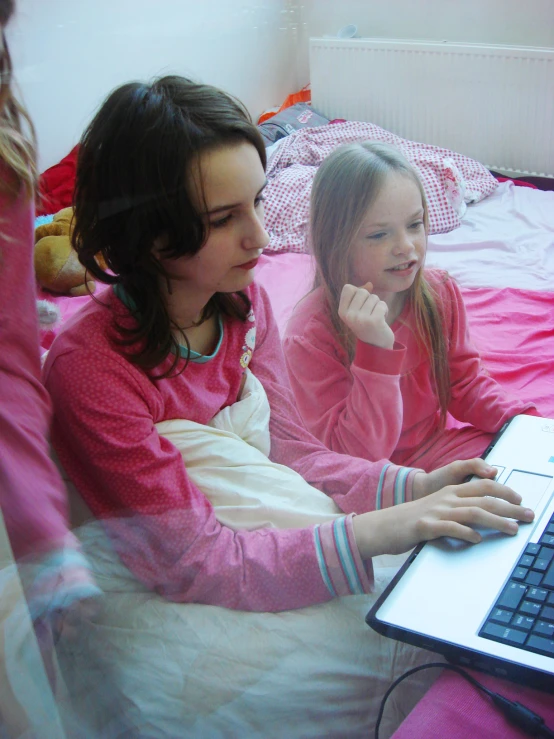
<point x="379" y="352"/>
<point x="32" y="494"/>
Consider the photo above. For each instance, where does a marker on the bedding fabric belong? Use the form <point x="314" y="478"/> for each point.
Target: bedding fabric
<point x="455" y="709"/>
<point x="445" y="176"/>
<point x="512" y="329"/>
<point x="162" y="669"/>
<point x="506" y="240"/>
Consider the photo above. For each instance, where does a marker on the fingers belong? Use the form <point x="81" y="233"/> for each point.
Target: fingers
<point x="351" y="300"/>
<point x="476" y="466"/>
<point x="463" y="468"/>
<point x="345" y="297"/>
<point x="477" y="516"/>
<point x="435" y="529"/>
<point x="363" y="300"/>
<point x="497" y="507"/>
<point x="480" y="488"/>
<point x="380" y="310"/>
<point x="354" y="299"/>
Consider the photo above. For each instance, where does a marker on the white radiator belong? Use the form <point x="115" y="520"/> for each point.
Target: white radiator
<point x="493" y="103"/>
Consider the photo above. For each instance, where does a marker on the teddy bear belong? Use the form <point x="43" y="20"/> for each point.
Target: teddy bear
<point x="57" y="267"/>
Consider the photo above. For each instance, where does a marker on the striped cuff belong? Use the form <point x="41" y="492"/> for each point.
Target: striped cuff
<point x="342" y="569"/>
<point x="395" y="486"/>
<point x="57" y="581"/>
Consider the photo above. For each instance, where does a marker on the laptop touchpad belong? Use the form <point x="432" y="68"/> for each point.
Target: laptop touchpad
<point x="530" y="485"/>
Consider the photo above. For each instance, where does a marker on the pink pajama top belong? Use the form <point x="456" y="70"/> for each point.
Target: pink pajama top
<point x="163" y="527"/>
<point x="32" y="494"/>
<point x="383" y="403"/>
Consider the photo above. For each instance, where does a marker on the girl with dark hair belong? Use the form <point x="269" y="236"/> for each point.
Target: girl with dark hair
<point x="169" y="191"/>
<point x="379" y="352"/>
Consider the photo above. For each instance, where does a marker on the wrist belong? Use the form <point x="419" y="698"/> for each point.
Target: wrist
<point x="372" y="532"/>
<point x="419" y="485"/>
<point x="382" y="343"/>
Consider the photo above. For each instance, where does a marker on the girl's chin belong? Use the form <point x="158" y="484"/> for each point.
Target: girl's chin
<point x="238" y="282"/>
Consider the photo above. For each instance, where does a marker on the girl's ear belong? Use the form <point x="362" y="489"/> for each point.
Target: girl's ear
<point x="160" y="243"/>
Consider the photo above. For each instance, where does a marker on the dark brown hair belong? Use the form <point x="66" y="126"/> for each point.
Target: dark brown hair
<point x="17" y="136"/>
<point x="132" y="188"/>
<point x="344" y="188"/>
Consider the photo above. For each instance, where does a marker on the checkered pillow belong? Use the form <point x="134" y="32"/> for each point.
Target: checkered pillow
<point x="292" y="169"/>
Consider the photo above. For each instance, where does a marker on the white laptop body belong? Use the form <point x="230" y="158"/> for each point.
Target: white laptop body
<point x="445" y="593"/>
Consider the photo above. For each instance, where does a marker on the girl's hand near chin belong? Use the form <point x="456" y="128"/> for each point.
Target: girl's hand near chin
<point x="365" y="315"/>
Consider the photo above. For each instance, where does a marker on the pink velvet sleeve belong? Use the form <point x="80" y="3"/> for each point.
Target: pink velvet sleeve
<point x="353" y="408"/>
<point x="356" y="484"/>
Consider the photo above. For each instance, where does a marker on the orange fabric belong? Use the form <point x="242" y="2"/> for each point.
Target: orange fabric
<point x="265" y="116"/>
<point x="302" y="96"/>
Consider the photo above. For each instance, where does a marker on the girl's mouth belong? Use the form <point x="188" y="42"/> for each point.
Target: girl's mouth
<point x="403" y="268"/>
<point x="249" y="265"/>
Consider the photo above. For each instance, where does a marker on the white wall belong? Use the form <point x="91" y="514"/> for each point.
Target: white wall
<point x="68" y="54"/>
<point x="513" y="22"/>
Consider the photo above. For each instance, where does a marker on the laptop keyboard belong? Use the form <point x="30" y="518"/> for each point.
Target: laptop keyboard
<point x="523" y="615"/>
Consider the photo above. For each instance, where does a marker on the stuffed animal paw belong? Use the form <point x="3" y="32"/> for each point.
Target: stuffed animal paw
<point x="57" y="267"/>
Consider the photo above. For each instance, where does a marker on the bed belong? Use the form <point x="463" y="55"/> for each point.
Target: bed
<point x="501" y="254"/>
<point x="497" y="240"/>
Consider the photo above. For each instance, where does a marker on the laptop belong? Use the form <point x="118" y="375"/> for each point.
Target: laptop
<point x="488" y="606"/>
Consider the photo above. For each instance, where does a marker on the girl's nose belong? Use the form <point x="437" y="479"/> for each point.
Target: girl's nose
<point x="256" y="236"/>
<point x="403" y="244"/>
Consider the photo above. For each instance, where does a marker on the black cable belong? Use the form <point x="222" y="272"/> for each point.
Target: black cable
<point x="516" y="713"/>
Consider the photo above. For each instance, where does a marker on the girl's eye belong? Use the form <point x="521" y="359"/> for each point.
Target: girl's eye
<point x="416" y="225"/>
<point x="260" y="199"/>
<point x="377" y="236"/>
<point x="221" y="222"/>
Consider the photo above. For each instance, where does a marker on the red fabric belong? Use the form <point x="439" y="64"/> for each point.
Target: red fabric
<point x="519" y="183"/>
<point x="56" y="185"/>
<point x="453" y="708"/>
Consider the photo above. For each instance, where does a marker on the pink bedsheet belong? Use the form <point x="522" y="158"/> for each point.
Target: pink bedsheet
<point x="452" y="708"/>
<point x="513" y="329"/>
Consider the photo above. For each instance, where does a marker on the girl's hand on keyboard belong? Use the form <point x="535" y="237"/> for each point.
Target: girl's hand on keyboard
<point x="452" y="511"/>
<point x="454" y="473"/>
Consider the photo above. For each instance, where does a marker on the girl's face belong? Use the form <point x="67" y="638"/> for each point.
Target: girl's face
<point x="229" y="199"/>
<point x="391" y="243"/>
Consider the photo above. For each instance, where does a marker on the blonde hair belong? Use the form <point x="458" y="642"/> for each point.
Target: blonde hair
<point x="345" y="186"/>
<point x="17" y="135"/>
